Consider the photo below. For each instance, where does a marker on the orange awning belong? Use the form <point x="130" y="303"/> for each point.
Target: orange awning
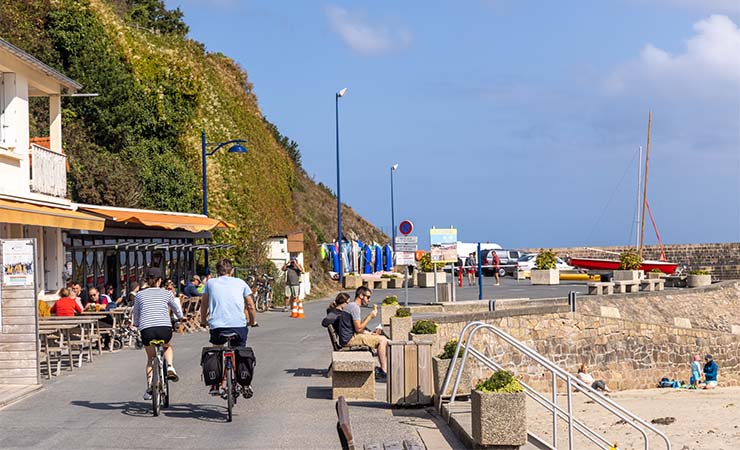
<point x="193" y="223"/>
<point x="48" y="216"/>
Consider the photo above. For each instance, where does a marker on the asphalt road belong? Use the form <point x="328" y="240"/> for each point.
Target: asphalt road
<point x="100" y="406"/>
<point x="508" y="288"/>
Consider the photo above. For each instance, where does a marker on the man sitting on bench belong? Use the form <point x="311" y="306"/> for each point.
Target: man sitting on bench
<point x="351" y="329"/>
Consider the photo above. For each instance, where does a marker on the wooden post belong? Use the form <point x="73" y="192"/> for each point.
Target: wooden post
<point x="409" y="373"/>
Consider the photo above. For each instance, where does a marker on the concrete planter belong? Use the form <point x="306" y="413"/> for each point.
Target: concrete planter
<point x="551" y="276"/>
<point x="439" y="368"/>
<point x="699" y="280"/>
<point x="400" y="328"/>
<point x="395" y="283"/>
<point x="627" y="275"/>
<point x="499" y="419"/>
<point x="352" y="281"/>
<point x="521" y="275"/>
<point x="426" y="279"/>
<point x="386" y="312"/>
<point x="423" y="338"/>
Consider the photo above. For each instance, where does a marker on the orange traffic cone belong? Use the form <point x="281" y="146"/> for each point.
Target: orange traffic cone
<point x="294" y="310"/>
<point x="300" y="310"/>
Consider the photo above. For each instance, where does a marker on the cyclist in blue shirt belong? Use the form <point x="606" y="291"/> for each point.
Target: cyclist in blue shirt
<point x="224" y="302"/>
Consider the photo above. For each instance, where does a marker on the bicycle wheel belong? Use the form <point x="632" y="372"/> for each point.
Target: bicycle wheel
<point x="229" y="389"/>
<point x="268" y="300"/>
<point x="155" y="386"/>
<point x="261" y="301"/>
<point x="165" y="385"/>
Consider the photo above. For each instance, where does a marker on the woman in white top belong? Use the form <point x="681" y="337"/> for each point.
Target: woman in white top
<point x="152" y="317"/>
<point x="586" y="377"/>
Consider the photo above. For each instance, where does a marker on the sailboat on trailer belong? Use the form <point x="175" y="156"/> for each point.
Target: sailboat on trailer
<point x="647" y="265"/>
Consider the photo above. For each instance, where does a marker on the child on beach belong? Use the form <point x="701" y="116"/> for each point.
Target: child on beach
<point x="695" y="372"/>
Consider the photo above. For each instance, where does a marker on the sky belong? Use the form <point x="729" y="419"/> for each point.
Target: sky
<point x="514" y="121"/>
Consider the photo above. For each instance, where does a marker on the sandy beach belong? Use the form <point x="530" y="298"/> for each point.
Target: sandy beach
<point x="704" y="419"/>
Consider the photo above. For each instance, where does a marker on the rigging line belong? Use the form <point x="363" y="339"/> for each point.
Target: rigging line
<point x="611" y="198"/>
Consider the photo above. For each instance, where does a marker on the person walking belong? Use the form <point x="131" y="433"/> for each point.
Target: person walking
<point x="293" y="271"/>
<point x="470" y="267"/>
<point x="496" y="266"/>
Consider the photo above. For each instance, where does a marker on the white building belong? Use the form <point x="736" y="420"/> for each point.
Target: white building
<point x="33" y="191"/>
<point x="281" y="248"/>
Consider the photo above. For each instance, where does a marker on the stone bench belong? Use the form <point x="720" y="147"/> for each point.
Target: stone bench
<point x="376" y="284"/>
<point x="600" y="288"/>
<point x="627" y="286"/>
<point x="656" y="284"/>
<point x="353" y="375"/>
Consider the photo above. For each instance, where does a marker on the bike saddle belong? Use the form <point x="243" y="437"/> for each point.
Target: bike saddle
<point x="228" y="334"/>
<point x="156" y="342"/>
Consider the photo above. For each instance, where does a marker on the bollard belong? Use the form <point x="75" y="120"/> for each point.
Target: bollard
<point x="572" y="295"/>
<point x="492" y="305"/>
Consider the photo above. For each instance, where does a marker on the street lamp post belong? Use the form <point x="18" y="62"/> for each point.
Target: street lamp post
<point x="236" y="148"/>
<point x="394" y="167"/>
<point x="339" y="192"/>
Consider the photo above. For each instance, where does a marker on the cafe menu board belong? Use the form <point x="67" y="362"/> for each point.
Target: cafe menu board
<point x="18" y="264"/>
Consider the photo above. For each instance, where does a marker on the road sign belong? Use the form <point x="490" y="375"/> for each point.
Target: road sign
<point x="405" y="259"/>
<point x="407" y="244"/>
<point x="444" y="244"/>
<point x="405" y="227"/>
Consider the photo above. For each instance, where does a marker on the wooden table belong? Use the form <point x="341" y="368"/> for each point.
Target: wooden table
<point x="77" y="321"/>
<point x="64" y="332"/>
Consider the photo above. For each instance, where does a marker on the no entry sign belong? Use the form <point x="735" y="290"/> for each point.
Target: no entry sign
<point x="405" y="227"/>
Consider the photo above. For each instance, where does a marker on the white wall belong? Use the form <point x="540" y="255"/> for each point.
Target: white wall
<point x="14" y="164"/>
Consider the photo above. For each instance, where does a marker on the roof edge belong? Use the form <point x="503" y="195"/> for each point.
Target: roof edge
<point x="60" y="77"/>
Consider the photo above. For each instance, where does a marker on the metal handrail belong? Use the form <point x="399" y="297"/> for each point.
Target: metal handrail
<point x="557" y="373"/>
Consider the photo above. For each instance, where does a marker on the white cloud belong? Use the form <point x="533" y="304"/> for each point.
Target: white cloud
<point x="364" y="37"/>
<point x="708" y="67"/>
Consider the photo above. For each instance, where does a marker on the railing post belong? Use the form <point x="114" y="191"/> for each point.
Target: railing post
<point x="570" y="414"/>
<point x="554" y="412"/>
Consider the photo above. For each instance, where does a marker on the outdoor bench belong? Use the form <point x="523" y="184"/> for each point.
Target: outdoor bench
<point x="652" y="284"/>
<point x="600" y="288"/>
<point x="353" y="375"/>
<point x="627" y="286"/>
<point x="381" y="283"/>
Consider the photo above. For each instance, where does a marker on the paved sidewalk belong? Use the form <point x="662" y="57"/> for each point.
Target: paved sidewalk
<point x="101" y="405"/>
<point x="11" y="393"/>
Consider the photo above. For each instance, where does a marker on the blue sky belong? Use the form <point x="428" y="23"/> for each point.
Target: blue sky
<point x="517" y="122"/>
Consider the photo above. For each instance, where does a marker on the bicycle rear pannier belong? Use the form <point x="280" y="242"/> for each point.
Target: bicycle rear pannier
<point x="212" y="364"/>
<point x="245" y="362"/>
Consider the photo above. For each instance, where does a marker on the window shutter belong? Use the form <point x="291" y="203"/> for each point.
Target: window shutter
<point x="7" y="113"/>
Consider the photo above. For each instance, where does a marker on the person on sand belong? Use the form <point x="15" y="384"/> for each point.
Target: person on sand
<point x="710" y="372"/>
<point x="586" y="377"/>
<point x="695" y="372"/>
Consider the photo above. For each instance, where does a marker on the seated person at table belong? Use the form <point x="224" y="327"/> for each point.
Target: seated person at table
<point x="66" y="306"/>
<point x="191" y="289"/>
<point x="94" y="300"/>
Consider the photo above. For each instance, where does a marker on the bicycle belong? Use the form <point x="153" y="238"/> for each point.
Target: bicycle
<point x="263" y="300"/>
<point x="158" y="383"/>
<point x="231" y="391"/>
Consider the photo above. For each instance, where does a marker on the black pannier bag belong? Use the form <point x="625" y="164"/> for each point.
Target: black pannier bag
<point x="245" y="362"/>
<point x="211" y="361"/>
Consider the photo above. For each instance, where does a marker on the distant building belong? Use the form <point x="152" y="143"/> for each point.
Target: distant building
<point x="280" y="248"/>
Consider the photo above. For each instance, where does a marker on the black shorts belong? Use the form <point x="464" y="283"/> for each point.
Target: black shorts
<point x="156" y="334"/>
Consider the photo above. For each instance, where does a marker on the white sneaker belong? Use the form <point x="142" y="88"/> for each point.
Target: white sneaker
<point x="147" y="395"/>
<point x="172" y="374"/>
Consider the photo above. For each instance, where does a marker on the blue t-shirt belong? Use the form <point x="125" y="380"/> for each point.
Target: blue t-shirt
<point x="226" y="302"/>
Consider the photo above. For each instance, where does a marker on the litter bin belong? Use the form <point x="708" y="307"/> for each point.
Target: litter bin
<point x="444" y="292"/>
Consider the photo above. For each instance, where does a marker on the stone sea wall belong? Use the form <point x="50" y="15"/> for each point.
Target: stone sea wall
<point x="722" y="259"/>
<point x="630" y="341"/>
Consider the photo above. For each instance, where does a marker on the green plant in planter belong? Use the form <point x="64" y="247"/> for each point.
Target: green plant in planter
<point x="387" y="275"/>
<point x="449" y="350"/>
<point x="656" y="271"/>
<point x="424" y="327"/>
<point x="425" y="263"/>
<point x="403" y="312"/>
<point x="630" y="260"/>
<point x="391" y="300"/>
<point x="698" y="272"/>
<point x="546" y="260"/>
<point x="501" y="381"/>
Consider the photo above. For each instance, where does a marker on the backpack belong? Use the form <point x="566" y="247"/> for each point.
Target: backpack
<point x="212" y="363"/>
<point x="245" y="362"/>
<point x="666" y="383"/>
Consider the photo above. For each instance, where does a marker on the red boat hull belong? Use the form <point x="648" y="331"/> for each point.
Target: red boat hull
<point x="610" y="264"/>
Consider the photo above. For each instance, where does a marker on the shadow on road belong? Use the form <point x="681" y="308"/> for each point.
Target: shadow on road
<point x="206" y="413"/>
<point x="307" y="372"/>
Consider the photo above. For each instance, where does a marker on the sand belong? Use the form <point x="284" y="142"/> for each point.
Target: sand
<point x="704" y="419"/>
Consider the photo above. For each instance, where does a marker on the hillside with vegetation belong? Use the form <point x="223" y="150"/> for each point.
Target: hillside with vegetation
<point x="138" y="143"/>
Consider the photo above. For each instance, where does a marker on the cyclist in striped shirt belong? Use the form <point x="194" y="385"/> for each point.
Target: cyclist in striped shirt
<point x="152" y="317"/>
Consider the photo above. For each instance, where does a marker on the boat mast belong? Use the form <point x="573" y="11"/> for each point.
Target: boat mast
<point x="637" y="207"/>
<point x="644" y="187"/>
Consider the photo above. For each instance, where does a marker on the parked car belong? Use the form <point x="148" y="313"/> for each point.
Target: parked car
<point x="526" y="262"/>
<point x="507" y="261"/>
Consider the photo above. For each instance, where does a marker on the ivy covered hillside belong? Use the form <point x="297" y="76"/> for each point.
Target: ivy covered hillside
<point x="138" y="143"/>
